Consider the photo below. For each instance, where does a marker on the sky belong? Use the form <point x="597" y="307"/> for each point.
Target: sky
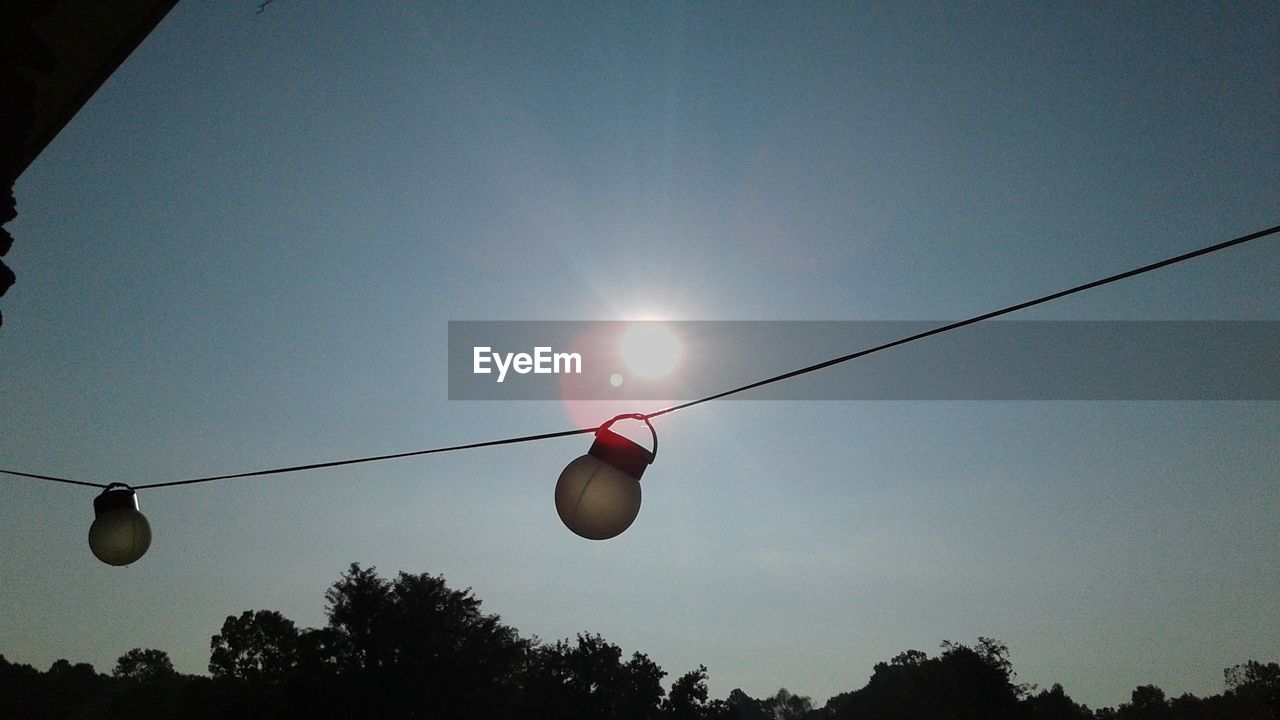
<point x="245" y="250"/>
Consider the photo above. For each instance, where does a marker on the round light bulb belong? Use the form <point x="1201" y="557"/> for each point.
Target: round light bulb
<point x="120" y="534"/>
<point x="598" y="494"/>
<point x="595" y="499"/>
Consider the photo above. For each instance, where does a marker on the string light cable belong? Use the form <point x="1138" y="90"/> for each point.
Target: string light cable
<point x="717" y="396"/>
<point x="600" y="489"/>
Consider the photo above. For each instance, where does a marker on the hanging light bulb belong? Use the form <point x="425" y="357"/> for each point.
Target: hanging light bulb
<point x="598" y="494"/>
<point x="120" y="534"/>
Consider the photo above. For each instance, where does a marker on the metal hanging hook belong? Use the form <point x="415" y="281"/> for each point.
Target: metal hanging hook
<point x="642" y="418"/>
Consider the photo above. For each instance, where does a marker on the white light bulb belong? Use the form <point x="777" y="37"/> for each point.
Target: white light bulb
<point x="120" y="534"/>
<point x="598" y="494"/>
<point x="595" y="499"/>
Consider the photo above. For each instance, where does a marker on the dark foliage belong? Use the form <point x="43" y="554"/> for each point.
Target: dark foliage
<point x="588" y="679"/>
<point x="1053" y="704"/>
<point x="411" y="647"/>
<point x="963" y="683"/>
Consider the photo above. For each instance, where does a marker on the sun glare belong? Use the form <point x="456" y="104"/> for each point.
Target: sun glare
<point x="649" y="350"/>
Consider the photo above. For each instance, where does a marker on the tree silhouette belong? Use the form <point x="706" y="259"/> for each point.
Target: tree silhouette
<point x="1255" y="689"/>
<point x="258" y="646"/>
<point x="147" y="686"/>
<point x="588" y="679"/>
<point x="786" y="705"/>
<point x="66" y="685"/>
<point x="27" y="693"/>
<point x="962" y="683"/>
<point x="141" y="666"/>
<point x="687" y="699"/>
<point x="356" y="606"/>
<point x="1053" y="704"/>
<point x="412" y="647"/>
<point x="254" y="661"/>
<point x="1147" y="702"/>
<point x="738" y="706"/>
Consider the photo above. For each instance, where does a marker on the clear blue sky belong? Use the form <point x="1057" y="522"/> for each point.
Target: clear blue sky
<point x="244" y="252"/>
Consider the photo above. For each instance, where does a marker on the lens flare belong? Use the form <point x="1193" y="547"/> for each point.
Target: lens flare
<point x="649" y="350"/>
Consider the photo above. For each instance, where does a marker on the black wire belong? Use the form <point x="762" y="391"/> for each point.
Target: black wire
<point x="53" y="479"/>
<point x="759" y="383"/>
<point x="970" y="321"/>
<point x="336" y="463"/>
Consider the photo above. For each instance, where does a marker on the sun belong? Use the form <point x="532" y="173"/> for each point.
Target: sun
<point x="649" y="350"/>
